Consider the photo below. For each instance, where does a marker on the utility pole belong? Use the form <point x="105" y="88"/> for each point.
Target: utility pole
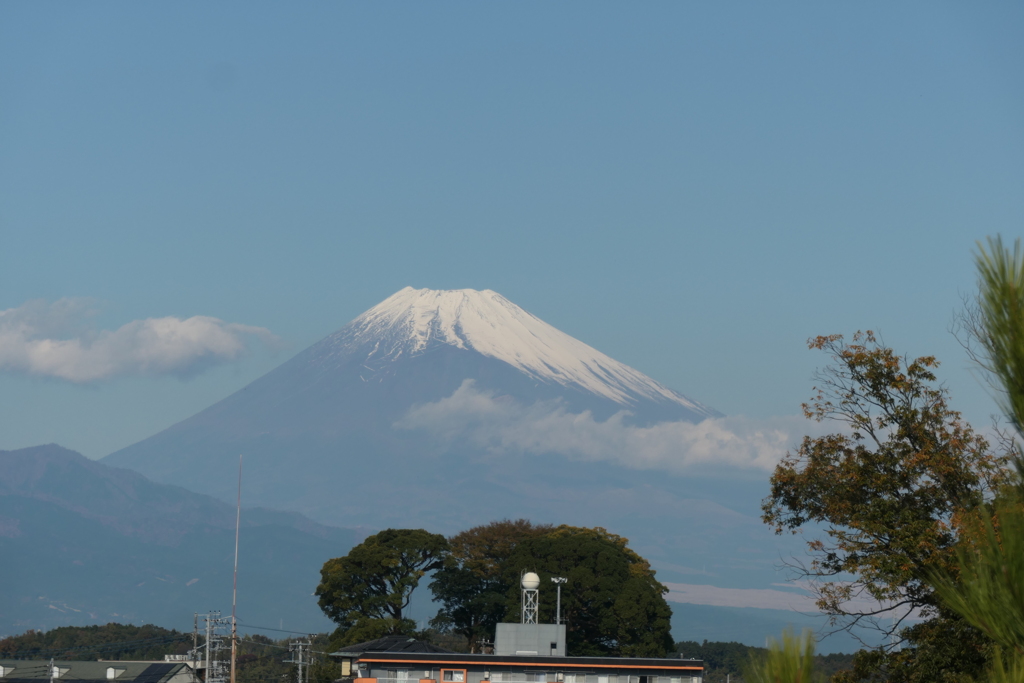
<point x="300" y="647"/>
<point x="209" y="644"/>
<point x="52" y="667"/>
<point x="215" y="666"/>
<point x="558" y="581"/>
<point x="195" y="647"/>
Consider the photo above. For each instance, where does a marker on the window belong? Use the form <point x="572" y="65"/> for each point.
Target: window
<point x="453" y="675"/>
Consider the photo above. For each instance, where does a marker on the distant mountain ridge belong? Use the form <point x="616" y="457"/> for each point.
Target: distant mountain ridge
<point x="126" y="501"/>
<point x="95" y="544"/>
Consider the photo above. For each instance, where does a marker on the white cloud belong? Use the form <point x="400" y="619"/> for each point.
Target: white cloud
<point x="55" y="340"/>
<point x="499" y="424"/>
<point x="762" y="598"/>
<point x="770" y="598"/>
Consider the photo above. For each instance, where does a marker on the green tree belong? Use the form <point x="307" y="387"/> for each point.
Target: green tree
<point x="262" y="660"/>
<point x="987" y="586"/>
<point x="891" y="493"/>
<point x="366" y="591"/>
<point x="728" y="661"/>
<point x="790" y="660"/>
<point x="611" y="604"/>
<point x="470" y="585"/>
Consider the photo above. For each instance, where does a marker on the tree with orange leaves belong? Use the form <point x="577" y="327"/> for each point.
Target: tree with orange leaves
<point x="889" y="491"/>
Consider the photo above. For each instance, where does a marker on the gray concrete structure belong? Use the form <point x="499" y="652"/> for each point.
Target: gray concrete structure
<point x="546" y="640"/>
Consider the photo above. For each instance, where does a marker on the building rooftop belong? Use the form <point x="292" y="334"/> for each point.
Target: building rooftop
<point x="393" y="644"/>
<point x="34" y="671"/>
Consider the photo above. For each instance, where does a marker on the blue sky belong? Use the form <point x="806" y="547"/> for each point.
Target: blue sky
<point x="694" y="189"/>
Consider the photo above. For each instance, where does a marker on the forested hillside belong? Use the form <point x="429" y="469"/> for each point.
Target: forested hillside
<point x="726" y="661"/>
<point x="90" y="643"/>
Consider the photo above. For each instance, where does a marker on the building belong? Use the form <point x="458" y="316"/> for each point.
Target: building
<point x="37" y="671"/>
<point x="400" y="659"/>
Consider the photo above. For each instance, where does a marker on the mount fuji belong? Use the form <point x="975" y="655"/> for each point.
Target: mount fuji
<point x="447" y="409"/>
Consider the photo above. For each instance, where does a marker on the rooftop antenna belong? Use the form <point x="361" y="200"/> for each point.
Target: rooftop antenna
<point x="558" y="581"/>
<point x="531" y="582"/>
<point x="234" y="590"/>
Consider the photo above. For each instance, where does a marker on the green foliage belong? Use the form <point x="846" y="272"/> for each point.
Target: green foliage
<point x="611" y="605"/>
<point x="985" y="587"/>
<point x="890" y="492"/>
<point x="790" y="660"/>
<point x="1006" y="668"/>
<point x="943" y="649"/>
<point x="727" y="661"/>
<point x="365" y="629"/>
<point x="262" y="660"/>
<point x="470" y="585"/>
<point x="366" y="591"/>
<point x="324" y="670"/>
<point x="89" y="643"/>
<point x="997" y="323"/>
<point x="447" y="639"/>
<point x="722" y="661"/>
<point x="989" y="591"/>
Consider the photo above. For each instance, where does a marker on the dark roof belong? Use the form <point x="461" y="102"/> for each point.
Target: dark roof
<point x="394" y="644"/>
<point x="533" y="661"/>
<point x="38" y="671"/>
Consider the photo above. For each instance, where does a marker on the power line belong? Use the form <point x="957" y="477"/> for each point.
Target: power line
<point x="279" y="630"/>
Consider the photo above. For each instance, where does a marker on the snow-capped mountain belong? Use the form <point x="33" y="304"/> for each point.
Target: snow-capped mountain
<point x="334" y="406"/>
<point x="413" y="321"/>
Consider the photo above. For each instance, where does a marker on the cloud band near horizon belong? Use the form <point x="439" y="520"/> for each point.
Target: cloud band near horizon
<point x="54" y="340"/>
<point x="498" y="425"/>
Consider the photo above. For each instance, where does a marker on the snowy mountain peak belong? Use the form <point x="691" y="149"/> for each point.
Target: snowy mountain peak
<point x="484" y="321"/>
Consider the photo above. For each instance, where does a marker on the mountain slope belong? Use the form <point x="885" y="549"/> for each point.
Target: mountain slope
<point x="326" y="434"/>
<point x="95" y="544"/>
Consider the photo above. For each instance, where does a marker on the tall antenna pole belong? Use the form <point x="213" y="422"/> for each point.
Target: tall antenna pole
<point x="234" y="590"/>
<point x="558" y="581"/>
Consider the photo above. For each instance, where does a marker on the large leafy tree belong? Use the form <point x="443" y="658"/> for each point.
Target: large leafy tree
<point x="890" y="491"/>
<point x="366" y="591"/>
<point x="611" y="604"/>
<point x="471" y="585"/>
